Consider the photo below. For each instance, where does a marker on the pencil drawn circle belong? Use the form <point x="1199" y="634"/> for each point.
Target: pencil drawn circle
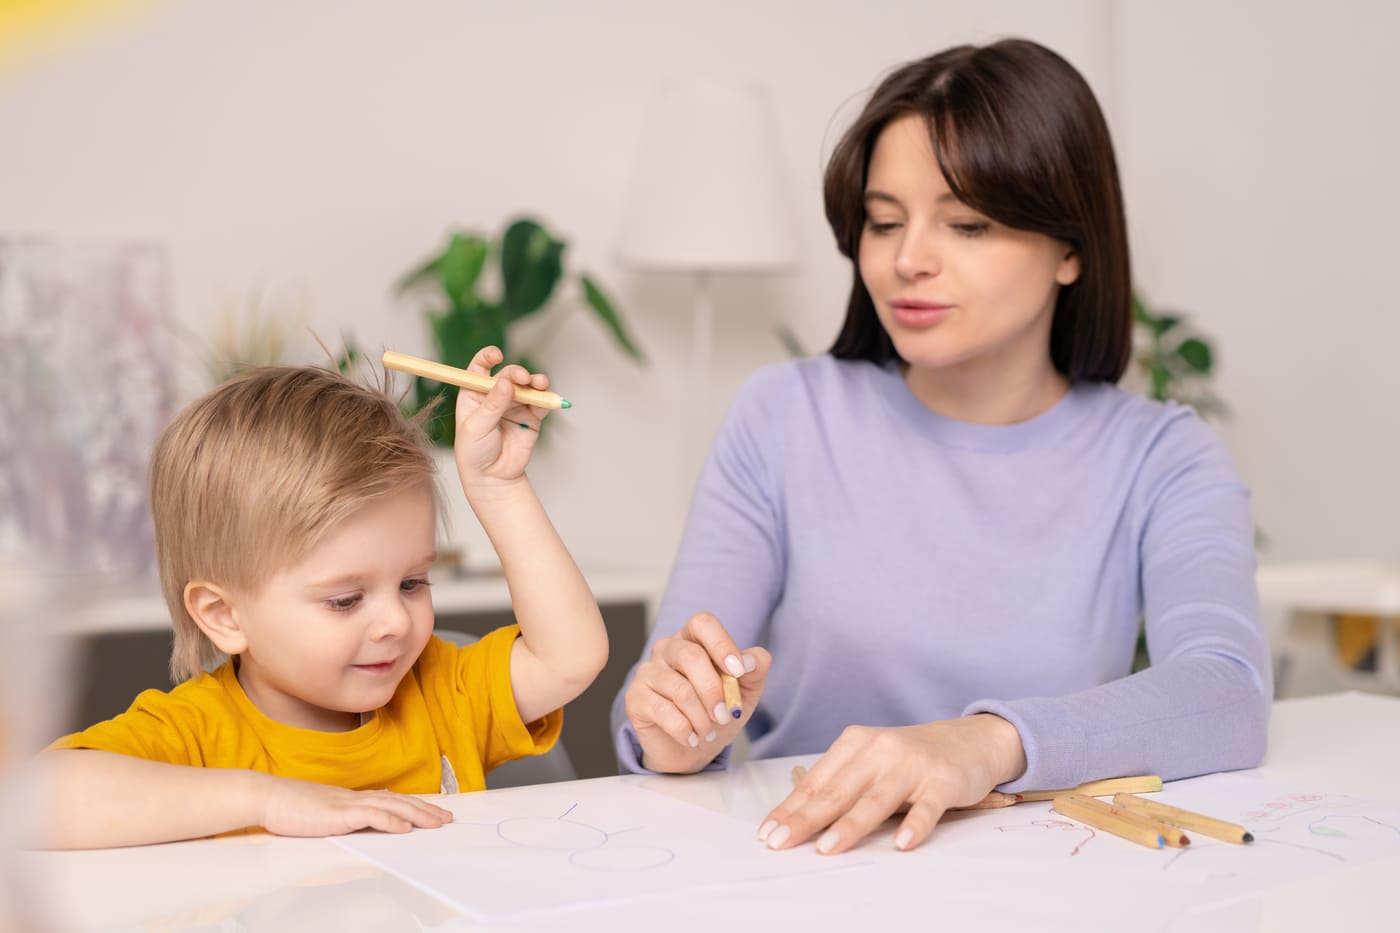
<point x="550" y="833"/>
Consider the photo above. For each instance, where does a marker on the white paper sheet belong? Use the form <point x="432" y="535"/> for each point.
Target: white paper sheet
<point x="555" y="846"/>
<point x="1299" y="833"/>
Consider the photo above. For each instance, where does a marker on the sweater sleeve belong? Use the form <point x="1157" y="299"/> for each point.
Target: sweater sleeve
<point x="731" y="560"/>
<point x="1203" y="705"/>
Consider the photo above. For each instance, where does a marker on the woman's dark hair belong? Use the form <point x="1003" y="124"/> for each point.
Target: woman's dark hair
<point x="1020" y="138"/>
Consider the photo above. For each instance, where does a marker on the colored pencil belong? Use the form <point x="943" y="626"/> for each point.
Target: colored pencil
<point x="733" y="700"/>
<point x="1099" y="815"/>
<point x="1144" y="784"/>
<point x="476" y="382"/>
<point x="1186" y="819"/>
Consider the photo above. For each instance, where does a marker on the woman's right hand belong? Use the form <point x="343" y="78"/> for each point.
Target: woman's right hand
<point x="676" y="700"/>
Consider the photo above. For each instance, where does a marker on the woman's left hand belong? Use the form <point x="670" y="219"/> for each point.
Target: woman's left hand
<point x="870" y="773"/>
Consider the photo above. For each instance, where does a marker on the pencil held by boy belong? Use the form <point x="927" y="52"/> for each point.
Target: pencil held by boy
<point x="295" y="516"/>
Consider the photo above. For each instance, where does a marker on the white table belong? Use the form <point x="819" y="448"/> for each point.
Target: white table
<point x="1344" y="742"/>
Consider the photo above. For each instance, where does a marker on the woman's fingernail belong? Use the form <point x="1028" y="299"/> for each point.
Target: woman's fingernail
<point x="902" y="840"/>
<point x="828" y="841"/>
<point x="766" y="828"/>
<point x="750" y="663"/>
<point x="694" y="740"/>
<point x="720" y="713"/>
<point x="735" y="666"/>
<point x="778" y="837"/>
<point x="710" y="736"/>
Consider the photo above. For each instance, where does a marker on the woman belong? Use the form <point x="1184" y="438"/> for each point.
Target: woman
<point x="948" y="529"/>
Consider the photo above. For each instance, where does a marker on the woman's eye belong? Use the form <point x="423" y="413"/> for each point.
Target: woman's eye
<point x="971" y="229"/>
<point x="881" y="226"/>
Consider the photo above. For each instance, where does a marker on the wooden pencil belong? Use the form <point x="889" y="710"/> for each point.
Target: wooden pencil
<point x="1099" y="815"/>
<point x="1143" y="784"/>
<point x="733" y="699"/>
<point x="1186" y="819"/>
<point x="463" y="379"/>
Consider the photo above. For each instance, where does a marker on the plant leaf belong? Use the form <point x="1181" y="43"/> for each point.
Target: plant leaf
<point x="428" y="270"/>
<point x="1161" y="381"/>
<point x="1196" y="353"/>
<point x="461" y="266"/>
<point x="602" y="307"/>
<point x="532" y="261"/>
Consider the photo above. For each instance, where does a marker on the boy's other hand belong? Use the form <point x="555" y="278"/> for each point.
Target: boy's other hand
<point x="495" y="435"/>
<point x="305" y="808"/>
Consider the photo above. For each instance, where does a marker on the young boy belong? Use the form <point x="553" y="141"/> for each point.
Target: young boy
<point x="295" y="517"/>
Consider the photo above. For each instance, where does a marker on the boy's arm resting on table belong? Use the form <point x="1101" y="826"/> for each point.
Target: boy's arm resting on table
<point x="98" y="799"/>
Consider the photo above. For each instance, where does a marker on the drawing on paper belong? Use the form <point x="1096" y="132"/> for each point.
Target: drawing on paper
<point x="585" y="845"/>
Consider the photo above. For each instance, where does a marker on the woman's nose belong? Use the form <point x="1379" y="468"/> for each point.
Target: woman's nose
<point x="916" y="258"/>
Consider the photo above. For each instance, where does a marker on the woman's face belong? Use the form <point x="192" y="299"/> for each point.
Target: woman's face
<point x="956" y="291"/>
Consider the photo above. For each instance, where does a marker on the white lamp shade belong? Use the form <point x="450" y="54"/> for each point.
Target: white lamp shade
<point x="709" y="190"/>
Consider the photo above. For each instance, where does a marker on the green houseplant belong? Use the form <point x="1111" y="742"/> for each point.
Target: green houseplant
<point x="523" y="268"/>
<point x="1176" y="361"/>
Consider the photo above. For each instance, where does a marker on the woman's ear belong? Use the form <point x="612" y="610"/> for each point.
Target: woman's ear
<point x="211" y="607"/>
<point x="1068" y="271"/>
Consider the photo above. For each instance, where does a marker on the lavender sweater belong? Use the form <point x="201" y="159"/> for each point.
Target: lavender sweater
<point x="904" y="567"/>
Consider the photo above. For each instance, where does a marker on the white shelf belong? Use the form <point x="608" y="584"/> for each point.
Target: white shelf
<point x="141" y="608"/>
<point x="1364" y="587"/>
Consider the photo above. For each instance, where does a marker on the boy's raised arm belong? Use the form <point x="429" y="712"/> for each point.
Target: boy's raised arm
<point x="100" y="799"/>
<point x="563" y="643"/>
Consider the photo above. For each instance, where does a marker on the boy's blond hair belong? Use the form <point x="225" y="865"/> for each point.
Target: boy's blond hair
<point x="250" y="476"/>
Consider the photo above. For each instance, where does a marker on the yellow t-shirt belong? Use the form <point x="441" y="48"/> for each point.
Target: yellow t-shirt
<point x="452" y="719"/>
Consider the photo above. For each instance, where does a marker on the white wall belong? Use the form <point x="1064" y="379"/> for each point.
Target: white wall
<point x="327" y="145"/>
<point x="1260" y="144"/>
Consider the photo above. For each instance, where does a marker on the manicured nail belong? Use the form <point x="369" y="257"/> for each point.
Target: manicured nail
<point x="902" y="840"/>
<point x="778" y="837"/>
<point x="766" y="828"/>
<point x="710" y="736"/>
<point x="750" y="664"/>
<point x="828" y="841"/>
<point x="720" y="713"/>
<point x="735" y="666"/>
<point x="694" y="740"/>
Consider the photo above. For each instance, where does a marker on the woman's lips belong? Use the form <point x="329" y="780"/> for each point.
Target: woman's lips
<point x="919" y="313"/>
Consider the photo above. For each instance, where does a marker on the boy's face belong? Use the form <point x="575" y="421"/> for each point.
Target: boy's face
<point x="331" y="636"/>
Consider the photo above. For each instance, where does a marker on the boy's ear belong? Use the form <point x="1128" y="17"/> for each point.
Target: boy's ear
<point x="211" y="607"/>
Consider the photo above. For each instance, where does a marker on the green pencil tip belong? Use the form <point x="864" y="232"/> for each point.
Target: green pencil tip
<point x="566" y="404"/>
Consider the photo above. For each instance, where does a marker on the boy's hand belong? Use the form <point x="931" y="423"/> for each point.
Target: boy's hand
<point x="305" y="808"/>
<point x="494" y="434"/>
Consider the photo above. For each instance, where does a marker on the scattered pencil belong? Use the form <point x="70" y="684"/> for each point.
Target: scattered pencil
<point x="1186" y="819"/>
<point x="733" y="700"/>
<point x="463" y="379"/>
<point x="1099" y="815"/>
<point x="1142" y="784"/>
